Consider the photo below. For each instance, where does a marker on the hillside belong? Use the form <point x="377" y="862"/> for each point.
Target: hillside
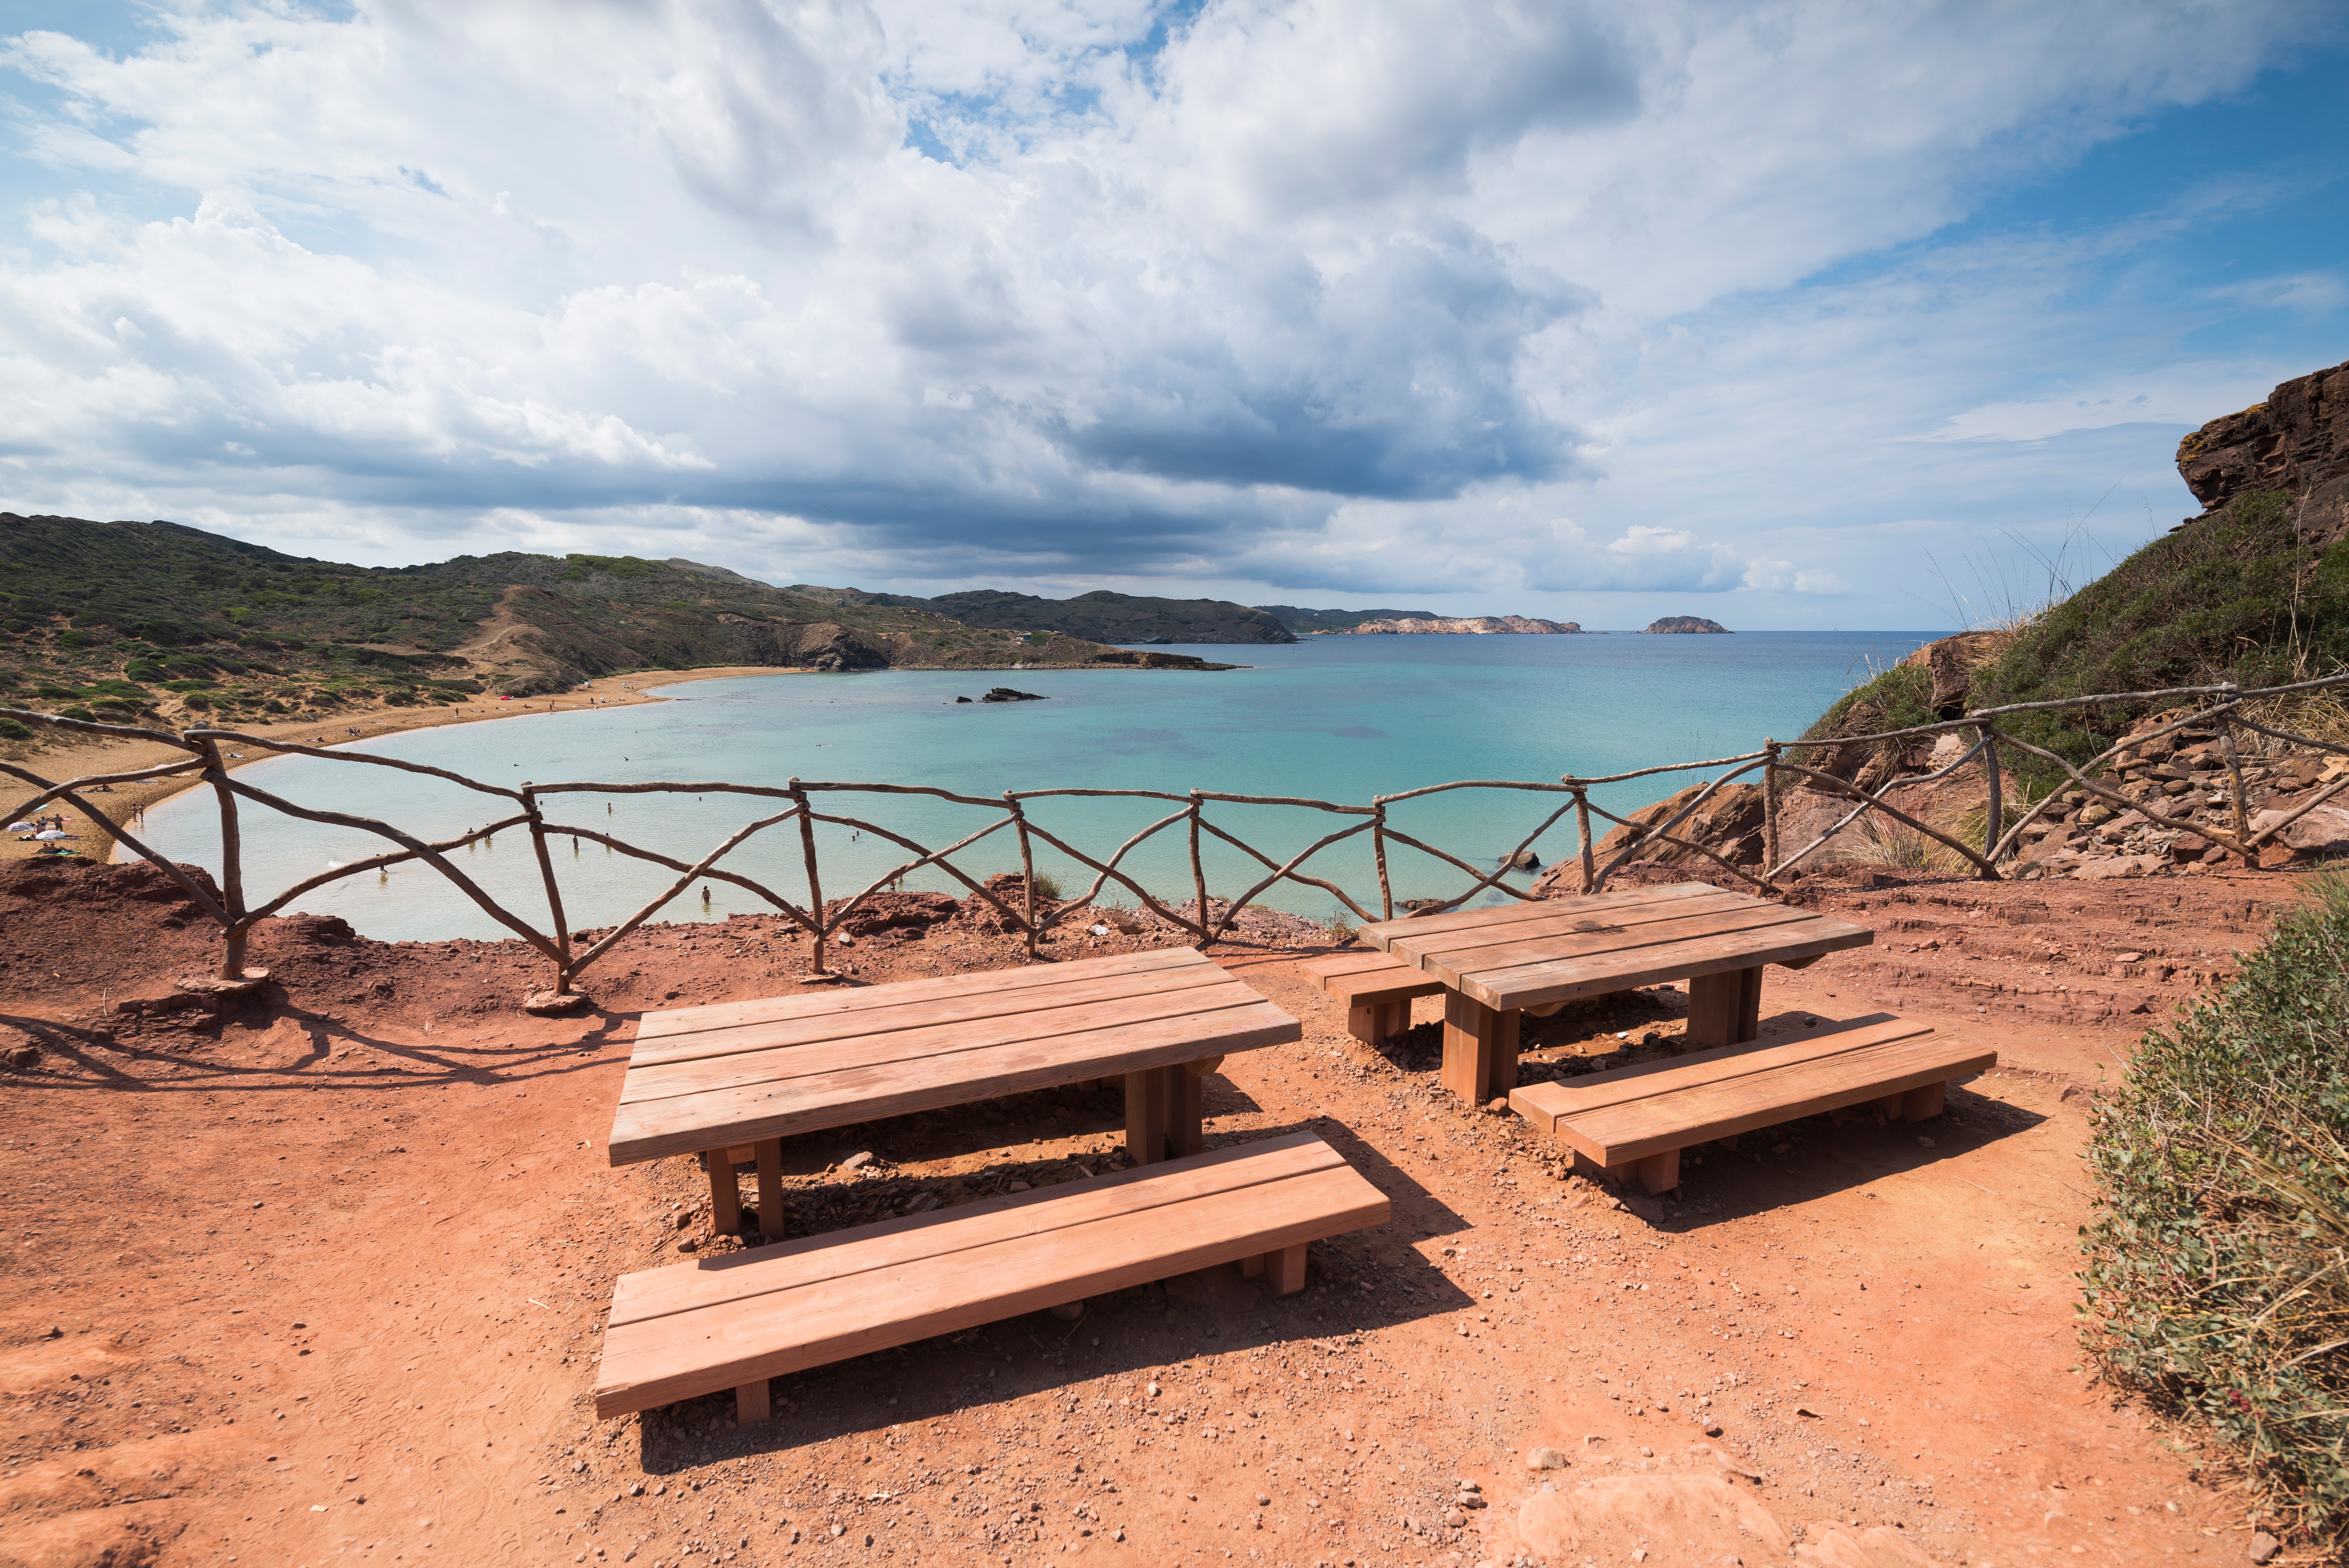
<point x="148" y="621"/>
<point x="2254" y="591"/>
<point x="1100" y="617"/>
<point x="1307" y="622"/>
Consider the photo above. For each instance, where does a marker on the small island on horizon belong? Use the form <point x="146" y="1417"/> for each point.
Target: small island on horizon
<point x="1686" y="624"/>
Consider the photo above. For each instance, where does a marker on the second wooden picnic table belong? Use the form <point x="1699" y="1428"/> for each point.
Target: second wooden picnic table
<point x="1495" y="963"/>
<point x="713" y="1079"/>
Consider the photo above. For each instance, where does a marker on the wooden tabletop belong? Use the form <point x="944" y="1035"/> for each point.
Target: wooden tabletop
<point x="737" y="1072"/>
<point x="1556" y="950"/>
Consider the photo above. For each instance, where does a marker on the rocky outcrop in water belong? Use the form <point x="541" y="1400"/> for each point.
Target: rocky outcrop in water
<point x="2297" y="442"/>
<point x="1685" y="623"/>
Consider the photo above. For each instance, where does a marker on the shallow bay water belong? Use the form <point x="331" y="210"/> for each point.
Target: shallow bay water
<point x="1331" y="718"/>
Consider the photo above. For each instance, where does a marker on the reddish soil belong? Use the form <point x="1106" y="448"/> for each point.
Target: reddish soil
<point x="317" y="1277"/>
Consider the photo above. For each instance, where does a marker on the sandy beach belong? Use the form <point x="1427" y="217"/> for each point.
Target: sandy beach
<point x="123" y="804"/>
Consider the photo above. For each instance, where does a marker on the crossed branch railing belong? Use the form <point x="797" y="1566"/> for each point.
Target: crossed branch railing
<point x="236" y="916"/>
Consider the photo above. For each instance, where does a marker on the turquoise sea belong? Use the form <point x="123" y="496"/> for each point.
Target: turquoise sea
<point x="1331" y="718"/>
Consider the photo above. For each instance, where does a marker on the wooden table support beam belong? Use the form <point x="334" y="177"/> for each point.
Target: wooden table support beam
<point x="1724" y="1009"/>
<point x="1165" y="1110"/>
<point x="1480" y="1048"/>
<point x="725" y="1194"/>
<point x="770" y="1189"/>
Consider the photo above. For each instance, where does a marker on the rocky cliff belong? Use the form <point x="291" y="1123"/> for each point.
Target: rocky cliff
<point x="2297" y="442"/>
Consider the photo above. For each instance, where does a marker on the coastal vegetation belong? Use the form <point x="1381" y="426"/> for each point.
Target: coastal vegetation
<point x="2238" y="596"/>
<point x="2215" y="1281"/>
<point x="1102" y="615"/>
<point x="130" y="622"/>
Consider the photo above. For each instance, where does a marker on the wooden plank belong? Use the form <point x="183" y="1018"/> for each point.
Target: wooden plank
<point x="1342" y="964"/>
<point x="1372" y="988"/>
<point x="978" y="1009"/>
<point x="689" y="1354"/>
<point x="777" y="1063"/>
<point x="1480" y="1048"/>
<point x="1698" y="1115"/>
<point x="944" y="988"/>
<point x="1452" y="967"/>
<point x="1544" y="1103"/>
<point x="1285" y="1270"/>
<point x="1383" y="932"/>
<point x="1724" y="1009"/>
<point x="1145" y="1115"/>
<point x="1457" y="950"/>
<point x="988" y="1222"/>
<point x="770" y="1189"/>
<point x="651" y="1130"/>
<point x="656" y="1360"/>
<point x="725" y="1192"/>
<point x="1535" y="983"/>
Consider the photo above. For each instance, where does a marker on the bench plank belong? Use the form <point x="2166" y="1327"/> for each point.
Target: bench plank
<point x="1416" y="926"/>
<point x="1573" y="931"/>
<point x="819" y="1003"/>
<point x="784" y="1309"/>
<point x="782" y="1107"/>
<point x="1544" y="1103"/>
<point x="987" y="1221"/>
<point x="1619" y="943"/>
<point x="1535" y="983"/>
<point x="890" y="1015"/>
<point x="756" y="1063"/>
<point x="1700" y="1115"/>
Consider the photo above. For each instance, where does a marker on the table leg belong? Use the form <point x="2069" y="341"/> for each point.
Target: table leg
<point x="1187" y="1106"/>
<point x="1145" y="1115"/>
<point x="771" y="1189"/>
<point x="725" y="1195"/>
<point x="1480" y="1048"/>
<point x="1724" y="1009"/>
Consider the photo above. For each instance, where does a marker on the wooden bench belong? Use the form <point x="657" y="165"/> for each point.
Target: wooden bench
<point x="1377" y="990"/>
<point x="734" y="1322"/>
<point x="1635" y="1120"/>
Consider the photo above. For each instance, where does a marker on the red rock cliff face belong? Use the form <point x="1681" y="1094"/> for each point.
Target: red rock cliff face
<point x="2296" y="441"/>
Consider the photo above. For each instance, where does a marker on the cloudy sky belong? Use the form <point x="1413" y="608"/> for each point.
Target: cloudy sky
<point x="1788" y="314"/>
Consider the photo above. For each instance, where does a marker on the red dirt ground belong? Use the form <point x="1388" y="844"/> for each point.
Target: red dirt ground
<point x="318" y="1278"/>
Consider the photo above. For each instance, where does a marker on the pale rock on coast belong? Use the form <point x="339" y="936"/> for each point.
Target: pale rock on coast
<point x="1470" y="625"/>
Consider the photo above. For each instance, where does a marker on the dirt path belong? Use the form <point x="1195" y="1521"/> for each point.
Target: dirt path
<point x="320" y="1280"/>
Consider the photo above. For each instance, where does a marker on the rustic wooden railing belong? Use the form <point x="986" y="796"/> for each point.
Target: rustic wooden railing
<point x="804" y="803"/>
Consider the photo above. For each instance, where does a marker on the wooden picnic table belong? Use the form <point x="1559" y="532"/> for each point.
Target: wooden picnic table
<point x="1495" y="964"/>
<point x="714" y="1078"/>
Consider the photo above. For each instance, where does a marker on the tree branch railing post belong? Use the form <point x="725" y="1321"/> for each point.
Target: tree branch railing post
<point x="1994" y="810"/>
<point x="1027" y="869"/>
<point x="1198" y="871"/>
<point x="1769" y="808"/>
<point x="562" y="986"/>
<point x="2241" y="814"/>
<point x="1585" y="850"/>
<point x="1379" y="855"/>
<point x="816" y="883"/>
<point x="239" y="929"/>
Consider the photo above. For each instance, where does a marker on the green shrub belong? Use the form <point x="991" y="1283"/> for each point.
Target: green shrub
<point x="2212" y="602"/>
<point x="78" y="711"/>
<point x="14" y="730"/>
<point x="2217" y="1280"/>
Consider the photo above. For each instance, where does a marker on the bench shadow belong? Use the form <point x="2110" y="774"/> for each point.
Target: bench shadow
<point x="1357" y="1283"/>
<point x="1814" y="1157"/>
